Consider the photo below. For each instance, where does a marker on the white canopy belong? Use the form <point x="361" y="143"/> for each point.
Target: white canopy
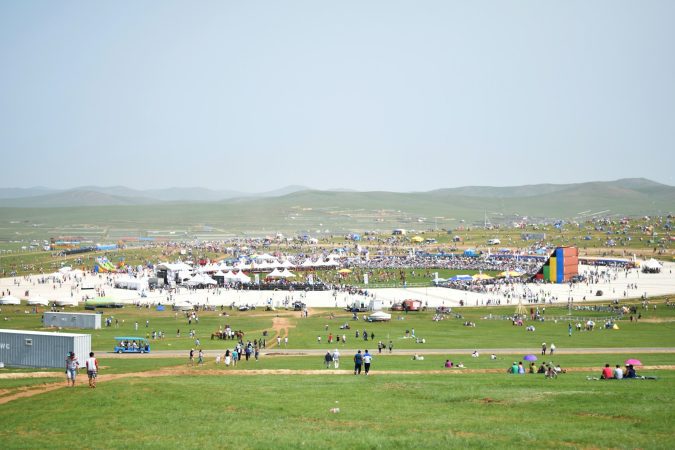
<point x="274" y="274"/>
<point x="175" y="267"/>
<point x="127" y="282"/>
<point x="66" y="301"/>
<point x="201" y="279"/>
<point x="287" y="264"/>
<point x="286" y="274"/>
<point x="242" y="277"/>
<point x="9" y="300"/>
<point x="37" y="300"/>
<point x="230" y="276"/>
<point x="652" y="264"/>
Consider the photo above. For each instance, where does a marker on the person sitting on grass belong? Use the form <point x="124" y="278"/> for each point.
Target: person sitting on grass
<point x="607" y="373"/>
<point x="448" y="364"/>
<point x="533" y="368"/>
<point x="630" y="371"/>
<point x="550" y="372"/>
<point x="542" y="368"/>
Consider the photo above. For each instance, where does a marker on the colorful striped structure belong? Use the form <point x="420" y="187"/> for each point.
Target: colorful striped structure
<point x="561" y="266"/>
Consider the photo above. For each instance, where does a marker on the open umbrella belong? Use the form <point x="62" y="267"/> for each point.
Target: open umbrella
<point x="633" y="362"/>
<point x="530" y="358"/>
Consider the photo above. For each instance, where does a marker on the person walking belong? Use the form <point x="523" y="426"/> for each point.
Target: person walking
<point x="328" y="358"/>
<point x="336" y="358"/>
<point x="92" y="369"/>
<point x="543" y="348"/>
<point x="552" y="349"/>
<point x="72" y="364"/>
<point x="200" y="357"/>
<point x="391" y="346"/>
<point x="358" y="363"/>
<point x="366" y="361"/>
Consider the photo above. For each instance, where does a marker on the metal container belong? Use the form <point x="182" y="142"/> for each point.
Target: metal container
<point x="20" y="348"/>
<point x="86" y="321"/>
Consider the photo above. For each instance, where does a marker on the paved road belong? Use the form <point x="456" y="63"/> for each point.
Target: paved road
<point x="424" y="351"/>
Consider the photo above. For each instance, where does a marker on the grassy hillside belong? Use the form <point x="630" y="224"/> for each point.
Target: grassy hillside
<point x="311" y="210"/>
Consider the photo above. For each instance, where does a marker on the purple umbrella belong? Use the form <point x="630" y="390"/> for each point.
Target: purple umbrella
<point x="530" y="358"/>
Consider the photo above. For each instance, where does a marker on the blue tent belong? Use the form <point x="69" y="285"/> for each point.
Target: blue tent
<point x="461" y="278"/>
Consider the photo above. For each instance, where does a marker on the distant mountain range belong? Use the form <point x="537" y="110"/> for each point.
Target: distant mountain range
<point x="293" y="204"/>
<point x="42" y="197"/>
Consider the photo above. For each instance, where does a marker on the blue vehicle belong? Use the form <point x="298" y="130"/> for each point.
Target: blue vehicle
<point x="131" y="344"/>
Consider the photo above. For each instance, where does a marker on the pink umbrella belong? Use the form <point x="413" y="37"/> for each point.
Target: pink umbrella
<point x="633" y="362"/>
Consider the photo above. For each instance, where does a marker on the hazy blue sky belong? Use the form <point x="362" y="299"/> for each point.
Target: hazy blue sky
<point x="368" y="95"/>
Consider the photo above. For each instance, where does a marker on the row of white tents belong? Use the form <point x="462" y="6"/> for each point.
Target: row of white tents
<point x="263" y="265"/>
<point x="202" y="279"/>
<point x="37" y="301"/>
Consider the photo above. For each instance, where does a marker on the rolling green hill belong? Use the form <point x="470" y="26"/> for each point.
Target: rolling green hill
<point x="312" y="210"/>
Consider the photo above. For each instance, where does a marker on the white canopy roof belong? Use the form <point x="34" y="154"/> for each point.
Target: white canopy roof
<point x="9" y="300"/>
<point x="37" y="300"/>
<point x="652" y="264"/>
<point x="242" y="277"/>
<point x="66" y="301"/>
<point x="174" y="267"/>
<point x="230" y="276"/>
<point x="201" y="279"/>
<point x="274" y="274"/>
<point x="286" y="274"/>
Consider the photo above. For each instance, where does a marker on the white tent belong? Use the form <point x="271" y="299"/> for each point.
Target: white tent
<point x="9" y="300"/>
<point x="307" y="263"/>
<point x="230" y="276"/>
<point x="37" y="300"/>
<point x="287" y="264"/>
<point x="379" y="316"/>
<point x="242" y="277"/>
<point x="201" y="279"/>
<point x="286" y="274"/>
<point x="66" y="301"/>
<point x="182" y="306"/>
<point x="127" y="282"/>
<point x="274" y="274"/>
<point x="651" y="265"/>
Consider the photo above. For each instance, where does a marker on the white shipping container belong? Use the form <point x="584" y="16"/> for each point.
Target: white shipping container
<point x="21" y="348"/>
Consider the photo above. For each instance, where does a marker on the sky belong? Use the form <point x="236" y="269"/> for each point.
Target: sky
<point x="364" y="95"/>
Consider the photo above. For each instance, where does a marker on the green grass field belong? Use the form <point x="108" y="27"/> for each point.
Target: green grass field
<point x="380" y="411"/>
<point x="285" y="401"/>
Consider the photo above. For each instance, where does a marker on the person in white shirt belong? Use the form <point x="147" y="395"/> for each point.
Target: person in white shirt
<point x="618" y="373"/>
<point x="92" y="369"/>
<point x="336" y="358"/>
<point x="366" y="361"/>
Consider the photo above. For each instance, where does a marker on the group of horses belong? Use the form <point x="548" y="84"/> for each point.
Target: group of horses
<point x="236" y="334"/>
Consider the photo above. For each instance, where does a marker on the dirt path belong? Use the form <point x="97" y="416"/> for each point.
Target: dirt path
<point x="281" y="327"/>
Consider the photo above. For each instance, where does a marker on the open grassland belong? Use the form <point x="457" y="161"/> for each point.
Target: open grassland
<point x="379" y="411"/>
<point x="656" y="328"/>
<point x="285" y="399"/>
